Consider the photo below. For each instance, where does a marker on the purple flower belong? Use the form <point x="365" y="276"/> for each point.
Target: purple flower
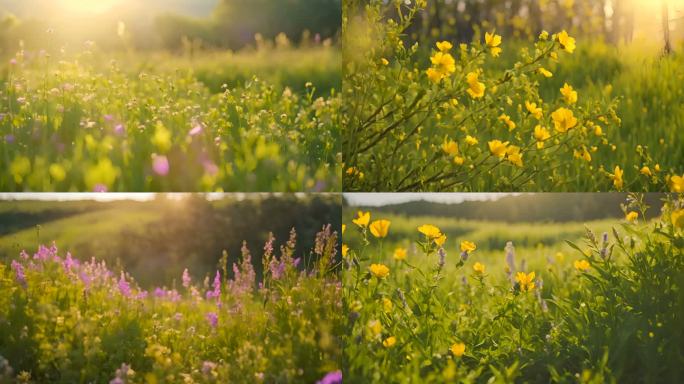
<point x="141" y="295"/>
<point x="212" y="318"/>
<point x="69" y="263"/>
<point x="159" y="292"/>
<point x="108" y="117"/>
<point x="186" y="278"/>
<point x="9" y="138"/>
<point x="160" y="165"/>
<point x="13" y="61"/>
<point x="85" y="278"/>
<point x="100" y="188"/>
<point x="216" y="293"/>
<point x="207" y="367"/>
<point x="124" y="287"/>
<point x="119" y="129"/>
<point x="210" y="168"/>
<point x="334" y="377"/>
<point x="19" y="272"/>
<point x="196" y="130"/>
<point x="178" y="316"/>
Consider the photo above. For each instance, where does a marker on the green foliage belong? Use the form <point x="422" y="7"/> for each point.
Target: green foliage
<point x="174" y="233"/>
<point x="83" y="124"/>
<point x="606" y="311"/>
<point x="423" y="119"/>
<point x="64" y="323"/>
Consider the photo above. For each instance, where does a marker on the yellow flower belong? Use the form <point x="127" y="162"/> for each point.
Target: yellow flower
<point x="101" y="174"/>
<point x="569" y="94"/>
<point x="632" y="216"/>
<point x="162" y="137"/>
<point x="598" y="131"/>
<point x="444" y="46"/>
<point x="467" y="246"/>
<point x="440" y="240"/>
<point x="646" y="171"/>
<point x="386" y="304"/>
<point x="471" y="140"/>
<point x="433" y="75"/>
<point x="379" y="228"/>
<point x="567" y="42"/>
<point x="545" y="72"/>
<point x="514" y="155"/>
<point x="384" y="61"/>
<point x="345" y="249"/>
<point x="657" y="167"/>
<point x="374" y="328"/>
<point x="543" y="35"/>
<point x="389" y="342"/>
<point x="525" y="280"/>
<point x="379" y="270"/>
<point x="19" y="168"/>
<point x="476" y="89"/>
<point x="677" y="218"/>
<point x="57" y="172"/>
<point x="541" y="134"/>
<point x="581" y="265"/>
<point x="443" y="63"/>
<point x="498" y="148"/>
<point x="362" y="220"/>
<point x="450" y="147"/>
<point x="582" y="154"/>
<point x="677" y="183"/>
<point x="399" y="254"/>
<point x="479" y="268"/>
<point x="617" y="177"/>
<point x="458" y="160"/>
<point x="493" y="42"/>
<point x="506" y="119"/>
<point x="458" y="349"/>
<point x="344" y="228"/>
<point x="563" y="120"/>
<point x="430" y="231"/>
<point x="534" y="110"/>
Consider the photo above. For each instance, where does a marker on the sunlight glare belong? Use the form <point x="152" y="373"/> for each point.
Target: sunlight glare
<point x="89" y="6"/>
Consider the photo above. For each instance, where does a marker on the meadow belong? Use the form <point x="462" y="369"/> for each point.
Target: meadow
<point x="505" y="108"/>
<point x="263" y="118"/>
<point x="439" y="300"/>
<point x="70" y="320"/>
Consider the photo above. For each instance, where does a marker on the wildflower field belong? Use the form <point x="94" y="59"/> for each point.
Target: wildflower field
<point x="261" y="119"/>
<point x="435" y="101"/>
<point x="442" y="300"/>
<point x="68" y="320"/>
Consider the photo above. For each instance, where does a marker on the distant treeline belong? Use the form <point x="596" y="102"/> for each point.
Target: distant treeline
<point x="234" y="24"/>
<point x="552" y="207"/>
<point x="614" y="21"/>
<point x="193" y="233"/>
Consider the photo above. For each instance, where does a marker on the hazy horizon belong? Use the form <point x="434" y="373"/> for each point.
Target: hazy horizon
<point x="380" y="199"/>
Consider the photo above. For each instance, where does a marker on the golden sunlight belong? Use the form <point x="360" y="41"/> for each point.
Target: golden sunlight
<point x="89" y="6"/>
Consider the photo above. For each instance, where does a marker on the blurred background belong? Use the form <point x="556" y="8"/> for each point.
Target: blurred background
<point x="611" y="21"/>
<point x="506" y="207"/>
<point x="288" y="42"/>
<point x="156" y="236"/>
<point x="537" y="224"/>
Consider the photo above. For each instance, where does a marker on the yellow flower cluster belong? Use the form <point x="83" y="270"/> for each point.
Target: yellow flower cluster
<point x="443" y="64"/>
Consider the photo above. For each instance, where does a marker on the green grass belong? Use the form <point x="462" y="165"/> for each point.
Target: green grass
<point x="85" y="230"/>
<point x="156" y="122"/>
<point x="618" y="321"/>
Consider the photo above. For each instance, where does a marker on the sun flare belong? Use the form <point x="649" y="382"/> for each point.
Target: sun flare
<point x="89" y="6"/>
